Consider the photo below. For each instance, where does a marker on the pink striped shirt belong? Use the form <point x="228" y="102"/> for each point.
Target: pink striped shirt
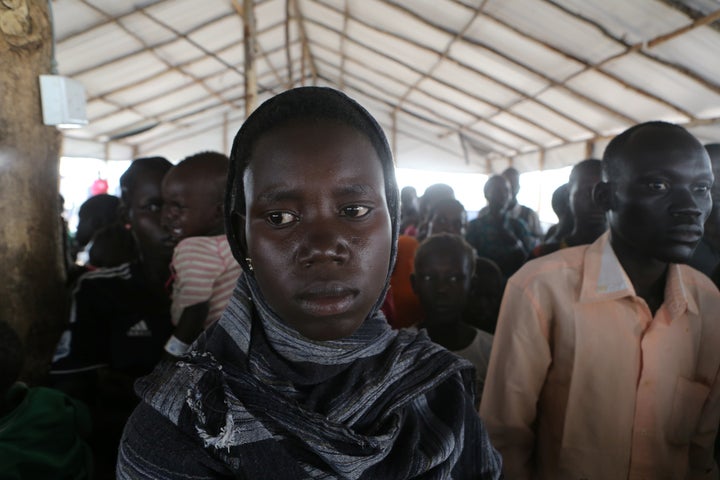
<point x="205" y="270"/>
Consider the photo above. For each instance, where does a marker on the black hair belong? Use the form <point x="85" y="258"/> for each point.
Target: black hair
<point x="212" y="166"/>
<point x="493" y="179"/>
<point x="103" y="206"/>
<point x="443" y="202"/>
<point x="592" y="164"/>
<point x="128" y="179"/>
<point x="446" y="242"/>
<point x="12" y="357"/>
<point x="613" y="157"/>
<point x="310" y="104"/>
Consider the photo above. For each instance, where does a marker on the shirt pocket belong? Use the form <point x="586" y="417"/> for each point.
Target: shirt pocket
<point x="687" y="406"/>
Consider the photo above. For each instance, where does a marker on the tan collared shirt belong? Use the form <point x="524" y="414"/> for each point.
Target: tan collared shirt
<point x="584" y="383"/>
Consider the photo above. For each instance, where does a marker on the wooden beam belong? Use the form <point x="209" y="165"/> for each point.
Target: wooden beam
<point x="145" y="48"/>
<point x="688" y="10"/>
<point x="443" y="55"/>
<point x="455" y="106"/>
<point x="414" y="69"/>
<point x="449" y="123"/>
<point x="304" y="39"/>
<point x="107" y="21"/>
<point x="642" y="48"/>
<point x="343" y="53"/>
<point x="155" y="76"/>
<point x="463" y="65"/>
<point x="551" y="81"/>
<point x="288" y="52"/>
<point x="250" y="72"/>
<point x="260" y="51"/>
<point x="160" y="58"/>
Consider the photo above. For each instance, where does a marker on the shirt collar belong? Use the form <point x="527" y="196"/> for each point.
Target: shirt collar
<point x="605" y="279"/>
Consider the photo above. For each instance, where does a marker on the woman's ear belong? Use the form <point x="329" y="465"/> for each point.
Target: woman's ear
<point x="603" y="196"/>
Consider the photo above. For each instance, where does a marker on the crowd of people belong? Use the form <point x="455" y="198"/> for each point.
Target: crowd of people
<point x="287" y="312"/>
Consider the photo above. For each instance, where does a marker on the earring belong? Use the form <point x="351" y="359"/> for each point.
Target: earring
<point x="248" y="260"/>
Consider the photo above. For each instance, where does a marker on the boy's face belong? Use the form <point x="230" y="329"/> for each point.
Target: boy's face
<point x="317" y="226"/>
<point x="582" y="206"/>
<point x="661" y="197"/>
<point x="497" y="194"/>
<point x="190" y="204"/>
<point x="448" y="219"/>
<point x="442" y="281"/>
<point x="143" y="213"/>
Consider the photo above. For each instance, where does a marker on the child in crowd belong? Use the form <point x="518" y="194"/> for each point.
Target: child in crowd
<point x="605" y="361"/>
<point x="204" y="269"/>
<point x="588" y="219"/>
<point x="43" y="432"/>
<point x="302" y="376"/>
<point x="444" y="269"/>
<point x="120" y="318"/>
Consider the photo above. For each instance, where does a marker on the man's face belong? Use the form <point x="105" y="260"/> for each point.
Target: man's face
<point x="582" y="206"/>
<point x="317" y="227"/>
<point x="661" y="197"/>
<point x="497" y="194"/>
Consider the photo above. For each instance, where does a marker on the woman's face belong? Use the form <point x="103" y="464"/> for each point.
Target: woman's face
<point x="317" y="226"/>
<point x="143" y="213"/>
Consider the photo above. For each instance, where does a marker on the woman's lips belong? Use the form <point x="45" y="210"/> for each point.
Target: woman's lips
<point x="326" y="299"/>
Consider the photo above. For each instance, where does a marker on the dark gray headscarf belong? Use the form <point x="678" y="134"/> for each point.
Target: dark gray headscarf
<point x="263" y="401"/>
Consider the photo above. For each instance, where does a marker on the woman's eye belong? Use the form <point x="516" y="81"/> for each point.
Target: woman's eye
<point x="281" y="218"/>
<point x="658" y="186"/>
<point x="355" y="211"/>
<point x="152" y="207"/>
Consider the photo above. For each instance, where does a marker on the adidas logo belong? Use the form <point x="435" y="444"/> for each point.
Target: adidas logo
<point x="140" y="329"/>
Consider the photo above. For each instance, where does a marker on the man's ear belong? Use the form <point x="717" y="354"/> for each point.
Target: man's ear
<point x="603" y="196"/>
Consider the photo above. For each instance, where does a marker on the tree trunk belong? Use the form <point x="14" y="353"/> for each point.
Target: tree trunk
<point x="32" y="297"/>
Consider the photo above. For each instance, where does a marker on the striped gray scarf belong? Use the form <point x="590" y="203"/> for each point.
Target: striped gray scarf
<point x="378" y="404"/>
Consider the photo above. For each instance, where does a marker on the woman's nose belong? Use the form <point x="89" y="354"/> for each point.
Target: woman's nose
<point x="321" y="243"/>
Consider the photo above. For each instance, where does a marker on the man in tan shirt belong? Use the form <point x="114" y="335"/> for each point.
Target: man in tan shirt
<point x="606" y="357"/>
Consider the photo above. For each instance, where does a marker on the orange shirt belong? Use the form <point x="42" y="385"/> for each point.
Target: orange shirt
<point x="408" y="310"/>
<point x="584" y="382"/>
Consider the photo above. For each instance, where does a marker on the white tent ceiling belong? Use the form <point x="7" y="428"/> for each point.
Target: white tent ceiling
<point x="458" y="85"/>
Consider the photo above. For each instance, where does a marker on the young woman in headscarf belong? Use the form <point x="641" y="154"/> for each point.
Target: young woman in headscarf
<point x="302" y="377"/>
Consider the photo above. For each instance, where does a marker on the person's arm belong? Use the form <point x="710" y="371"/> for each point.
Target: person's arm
<point x="518" y="367"/>
<point x="188" y="328"/>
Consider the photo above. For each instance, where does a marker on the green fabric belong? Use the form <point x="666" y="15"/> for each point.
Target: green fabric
<point x="42" y="437"/>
